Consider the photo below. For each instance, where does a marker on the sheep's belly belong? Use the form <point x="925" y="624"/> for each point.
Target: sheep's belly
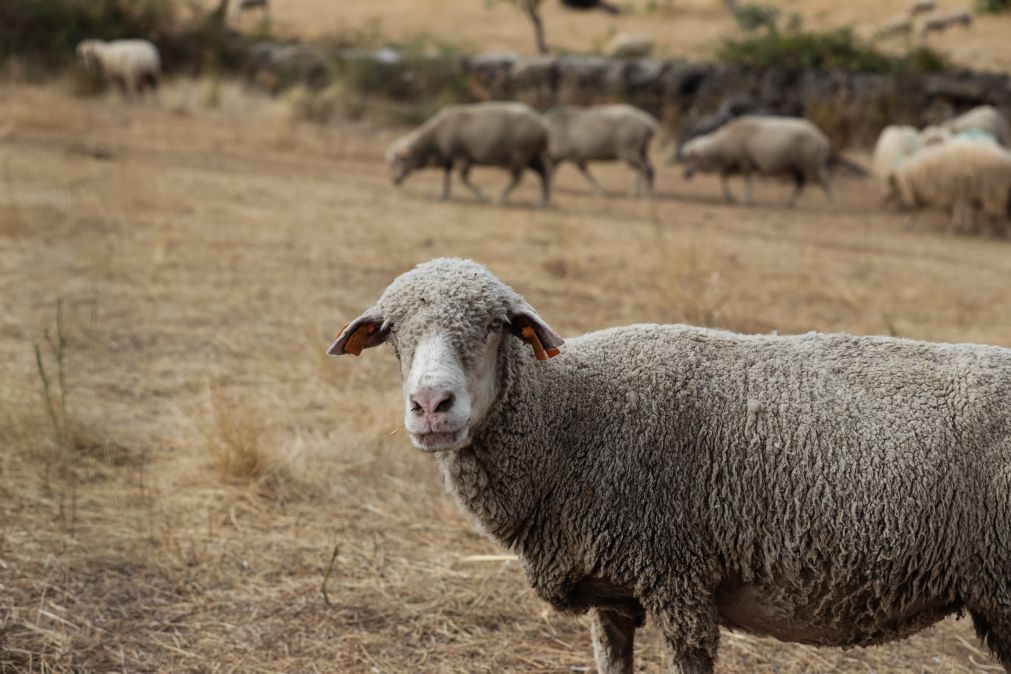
<point x="751" y="609"/>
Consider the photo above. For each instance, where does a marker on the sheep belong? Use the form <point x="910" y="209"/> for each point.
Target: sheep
<point x="602" y="133"/>
<point x="963" y="176"/>
<point x="938" y="22"/>
<point x="895" y="145"/>
<point x="900" y="25"/>
<point x="630" y="46"/>
<point x="826" y="489"/>
<point x="763" y="145"/>
<point x="510" y="135"/>
<point x="921" y="7"/>
<point x="982" y="118"/>
<point x="132" y="64"/>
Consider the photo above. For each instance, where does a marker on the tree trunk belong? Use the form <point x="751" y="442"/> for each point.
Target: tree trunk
<point x="533" y="10"/>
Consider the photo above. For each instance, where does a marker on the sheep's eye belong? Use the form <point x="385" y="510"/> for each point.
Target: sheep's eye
<point x="495" y="325"/>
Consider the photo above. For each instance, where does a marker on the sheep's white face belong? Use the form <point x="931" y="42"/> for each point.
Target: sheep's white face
<point x="449" y="322"/>
<point x="694" y="159"/>
<point x="86" y="51"/>
<point x="444" y="399"/>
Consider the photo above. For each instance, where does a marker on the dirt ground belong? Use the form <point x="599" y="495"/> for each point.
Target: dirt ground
<point x="211" y="460"/>
<point x="684" y="28"/>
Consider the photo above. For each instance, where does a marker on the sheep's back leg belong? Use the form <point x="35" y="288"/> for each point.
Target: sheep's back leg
<point x="798" y="186"/>
<point x="822" y="177"/>
<point x="516" y="175"/>
<point x="541" y="164"/>
<point x="613" y="641"/>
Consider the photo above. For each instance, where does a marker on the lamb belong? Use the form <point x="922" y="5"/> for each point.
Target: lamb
<point x="826" y="489"/>
<point x="764" y="145"/>
<point x="895" y="145"/>
<point x="963" y="176"/>
<point x="132" y="64"/>
<point x="982" y="118"/>
<point x="510" y="135"/>
<point x="630" y="46"/>
<point x="603" y="133"/>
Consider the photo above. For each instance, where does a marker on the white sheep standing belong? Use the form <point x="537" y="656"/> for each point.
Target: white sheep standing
<point x="630" y="46"/>
<point x="833" y="490"/>
<point x="921" y="7"/>
<point x="132" y="64"/>
<point x="962" y="176"/>
<point x="900" y="25"/>
<point x="895" y="144"/>
<point x="984" y="118"/>
<point x="766" y="145"/>
<point x="939" y="22"/>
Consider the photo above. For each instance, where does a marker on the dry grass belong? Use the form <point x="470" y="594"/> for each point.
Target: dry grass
<point x="226" y="245"/>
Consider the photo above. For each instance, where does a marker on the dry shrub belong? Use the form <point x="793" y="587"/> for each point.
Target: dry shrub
<point x="235" y="438"/>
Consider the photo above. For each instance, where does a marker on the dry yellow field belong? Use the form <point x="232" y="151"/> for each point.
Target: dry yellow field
<point x="686" y="28"/>
<point x="212" y="459"/>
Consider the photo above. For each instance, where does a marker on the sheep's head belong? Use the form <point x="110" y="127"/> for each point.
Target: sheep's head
<point x="87" y="51"/>
<point x="694" y="157"/>
<point x="449" y="321"/>
<point x="403" y="160"/>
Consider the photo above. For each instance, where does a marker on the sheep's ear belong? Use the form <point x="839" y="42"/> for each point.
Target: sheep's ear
<point x="364" y="332"/>
<point x="531" y="328"/>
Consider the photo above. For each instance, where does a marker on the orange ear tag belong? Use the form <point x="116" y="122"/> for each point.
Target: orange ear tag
<point x="530" y="336"/>
<point x="356" y="342"/>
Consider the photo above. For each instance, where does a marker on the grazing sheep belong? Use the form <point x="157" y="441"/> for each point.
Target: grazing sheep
<point x="132" y="64"/>
<point x="249" y="5"/>
<point x="921" y="7"/>
<point x="983" y="118"/>
<point x="900" y="25"/>
<point x="730" y="108"/>
<point x="895" y="145"/>
<point x="824" y="489"/>
<point x="764" y="145"/>
<point x="603" y="133"/>
<point x="630" y="46"/>
<point x="510" y="135"/>
<point x="592" y="4"/>
<point x="961" y="17"/>
<point x="934" y="23"/>
<point x="962" y="176"/>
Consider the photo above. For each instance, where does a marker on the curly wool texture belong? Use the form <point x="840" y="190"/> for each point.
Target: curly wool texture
<point x="829" y="489"/>
<point x="961" y="175"/>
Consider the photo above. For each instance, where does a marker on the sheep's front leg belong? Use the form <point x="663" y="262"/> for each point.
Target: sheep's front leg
<point x="516" y="176"/>
<point x="446" y="177"/>
<point x="585" y="170"/>
<point x="692" y="633"/>
<point x="613" y="641"/>
<point x="725" y="184"/>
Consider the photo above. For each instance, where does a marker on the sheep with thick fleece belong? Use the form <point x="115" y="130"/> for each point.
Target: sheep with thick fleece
<point x="603" y="133"/>
<point x="895" y="144"/>
<point x="132" y="64"/>
<point x="509" y="135"/>
<point x="825" y="489"/>
<point x="962" y="176"/>
<point x="984" y="118"/>
<point x="765" y="145"/>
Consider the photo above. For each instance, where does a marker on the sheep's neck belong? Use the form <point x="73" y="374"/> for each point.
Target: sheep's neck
<point x="494" y="477"/>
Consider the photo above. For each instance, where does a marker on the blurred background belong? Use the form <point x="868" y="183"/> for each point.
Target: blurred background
<point x="187" y="483"/>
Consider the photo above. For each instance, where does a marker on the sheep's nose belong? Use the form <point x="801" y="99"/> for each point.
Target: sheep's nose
<point x="429" y="401"/>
